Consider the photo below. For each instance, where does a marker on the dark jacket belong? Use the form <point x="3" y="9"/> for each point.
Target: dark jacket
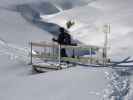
<point x="64" y="38"/>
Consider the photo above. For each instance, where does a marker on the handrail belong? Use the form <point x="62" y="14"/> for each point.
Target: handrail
<point x="43" y="44"/>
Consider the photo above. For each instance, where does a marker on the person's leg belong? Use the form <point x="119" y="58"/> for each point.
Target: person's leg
<point x="63" y="52"/>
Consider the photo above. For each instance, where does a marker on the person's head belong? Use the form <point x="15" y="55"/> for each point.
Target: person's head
<point x="61" y="29"/>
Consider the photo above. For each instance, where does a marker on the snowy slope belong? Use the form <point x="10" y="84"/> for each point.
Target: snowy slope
<point x="22" y="21"/>
<point x="91" y="19"/>
<point x="20" y="24"/>
<point x="118" y="14"/>
<point x="15" y="82"/>
<point x="15" y="35"/>
<point x="62" y="85"/>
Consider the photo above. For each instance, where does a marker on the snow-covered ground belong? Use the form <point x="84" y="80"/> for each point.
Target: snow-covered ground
<point x="22" y="21"/>
<point x="67" y="84"/>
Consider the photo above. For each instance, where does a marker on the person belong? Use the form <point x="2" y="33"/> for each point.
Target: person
<point x="64" y="38"/>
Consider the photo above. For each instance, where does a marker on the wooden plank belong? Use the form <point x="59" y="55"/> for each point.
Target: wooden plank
<point x="45" y="56"/>
<point x="81" y="59"/>
<point x="39" y="69"/>
<point x="63" y="58"/>
<point x="65" y="46"/>
<point x="44" y="45"/>
<point x="52" y="67"/>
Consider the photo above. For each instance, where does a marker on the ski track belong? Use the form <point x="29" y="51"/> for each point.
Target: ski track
<point x="15" y="52"/>
<point x="119" y="84"/>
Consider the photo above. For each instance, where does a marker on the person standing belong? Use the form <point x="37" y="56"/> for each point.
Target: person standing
<point x="64" y="38"/>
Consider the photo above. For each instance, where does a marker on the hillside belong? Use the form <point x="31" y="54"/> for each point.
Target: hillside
<point x="22" y="21"/>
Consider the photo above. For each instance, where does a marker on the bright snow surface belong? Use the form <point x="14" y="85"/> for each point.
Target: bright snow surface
<point x="18" y="26"/>
<point x="67" y="84"/>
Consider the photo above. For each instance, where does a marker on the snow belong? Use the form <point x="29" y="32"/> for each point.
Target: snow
<point x="19" y="26"/>
<point x="61" y="85"/>
<point x="90" y="20"/>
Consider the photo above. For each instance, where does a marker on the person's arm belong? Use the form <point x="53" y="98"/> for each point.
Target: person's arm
<point x="58" y="40"/>
<point x="74" y="44"/>
<point x="53" y="39"/>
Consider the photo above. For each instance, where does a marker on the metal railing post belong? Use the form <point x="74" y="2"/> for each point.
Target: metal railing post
<point x="31" y="53"/>
<point x="59" y="54"/>
<point x="91" y="55"/>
